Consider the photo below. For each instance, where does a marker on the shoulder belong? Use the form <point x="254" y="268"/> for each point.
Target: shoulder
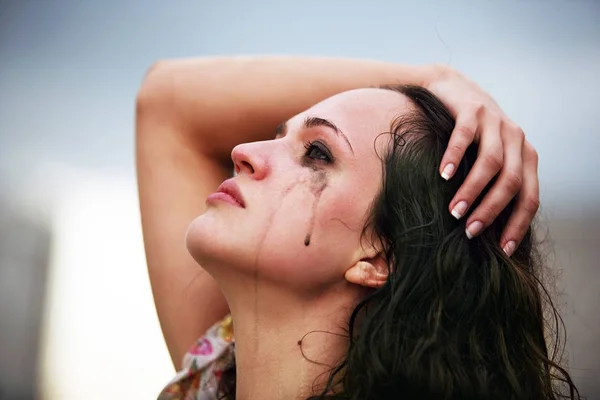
<point x="203" y="364"/>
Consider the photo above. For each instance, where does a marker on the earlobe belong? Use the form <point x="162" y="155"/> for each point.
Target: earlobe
<point x="371" y="272"/>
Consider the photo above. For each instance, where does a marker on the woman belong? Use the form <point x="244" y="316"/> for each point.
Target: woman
<point x="332" y="248"/>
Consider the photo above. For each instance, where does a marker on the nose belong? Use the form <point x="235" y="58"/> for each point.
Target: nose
<point x="250" y="159"/>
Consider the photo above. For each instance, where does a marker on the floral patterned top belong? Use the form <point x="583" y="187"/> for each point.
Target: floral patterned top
<point x="203" y="365"/>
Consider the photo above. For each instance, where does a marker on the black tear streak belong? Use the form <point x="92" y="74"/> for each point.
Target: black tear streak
<point x="319" y="184"/>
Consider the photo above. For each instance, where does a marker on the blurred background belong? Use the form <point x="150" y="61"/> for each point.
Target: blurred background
<point x="77" y="319"/>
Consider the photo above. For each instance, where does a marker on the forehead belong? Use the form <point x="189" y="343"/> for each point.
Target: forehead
<point x="362" y="114"/>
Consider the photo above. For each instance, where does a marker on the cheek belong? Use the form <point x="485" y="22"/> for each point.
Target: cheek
<point x="271" y="237"/>
<point x="334" y="229"/>
<point x="338" y="227"/>
<point x="345" y="212"/>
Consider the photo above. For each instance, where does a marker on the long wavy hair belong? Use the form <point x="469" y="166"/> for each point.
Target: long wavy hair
<point x="457" y="318"/>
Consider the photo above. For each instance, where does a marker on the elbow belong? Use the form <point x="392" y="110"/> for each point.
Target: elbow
<point x="156" y="87"/>
<point x="154" y="101"/>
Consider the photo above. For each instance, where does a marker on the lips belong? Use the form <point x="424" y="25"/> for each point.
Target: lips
<point x="229" y="187"/>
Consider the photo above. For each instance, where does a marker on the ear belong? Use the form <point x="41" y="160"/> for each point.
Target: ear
<point x="369" y="272"/>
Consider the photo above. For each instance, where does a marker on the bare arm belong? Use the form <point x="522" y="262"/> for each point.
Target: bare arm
<point x="190" y="114"/>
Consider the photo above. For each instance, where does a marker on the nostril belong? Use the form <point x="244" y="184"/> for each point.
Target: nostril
<point x="248" y="166"/>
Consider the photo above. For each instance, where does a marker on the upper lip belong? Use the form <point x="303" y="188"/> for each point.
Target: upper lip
<point x="231" y="188"/>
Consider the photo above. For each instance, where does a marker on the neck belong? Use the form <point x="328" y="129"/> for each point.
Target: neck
<point x="287" y="345"/>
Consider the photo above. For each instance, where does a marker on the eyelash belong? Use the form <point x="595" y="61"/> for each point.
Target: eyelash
<point x="325" y="157"/>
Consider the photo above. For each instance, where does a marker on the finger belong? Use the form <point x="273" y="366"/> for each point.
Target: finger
<point x="506" y="186"/>
<point x="462" y="137"/>
<point x="527" y="205"/>
<point x="488" y="163"/>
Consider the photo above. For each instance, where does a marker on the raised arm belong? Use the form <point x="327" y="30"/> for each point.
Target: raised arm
<point x="190" y="115"/>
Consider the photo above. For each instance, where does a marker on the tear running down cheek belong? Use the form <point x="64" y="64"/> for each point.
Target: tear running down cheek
<point x="318" y="184"/>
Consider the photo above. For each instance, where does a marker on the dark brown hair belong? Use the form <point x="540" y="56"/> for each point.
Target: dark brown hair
<point x="457" y="318"/>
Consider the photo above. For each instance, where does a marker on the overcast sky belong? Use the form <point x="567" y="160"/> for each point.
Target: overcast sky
<point x="69" y="70"/>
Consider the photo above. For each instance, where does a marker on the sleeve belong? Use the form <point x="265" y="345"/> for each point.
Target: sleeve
<point x="203" y="365"/>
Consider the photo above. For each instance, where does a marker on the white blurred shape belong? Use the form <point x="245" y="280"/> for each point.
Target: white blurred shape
<point x="101" y="337"/>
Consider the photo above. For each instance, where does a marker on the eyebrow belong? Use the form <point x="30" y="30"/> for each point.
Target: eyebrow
<point x="311" y="122"/>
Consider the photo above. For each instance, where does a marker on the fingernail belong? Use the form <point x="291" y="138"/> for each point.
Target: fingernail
<point x="447" y="172"/>
<point x="473" y="229"/>
<point x="509" y="248"/>
<point x="459" y="210"/>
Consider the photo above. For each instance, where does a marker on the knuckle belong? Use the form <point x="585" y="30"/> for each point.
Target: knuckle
<point x="467" y="132"/>
<point x="516" y="230"/>
<point x="478" y="108"/>
<point x="528" y="146"/>
<point x="533" y="154"/>
<point x="486" y="212"/>
<point x="494" y="159"/>
<point x="514" y="129"/>
<point x="531" y="204"/>
<point x="513" y="181"/>
<point x="495" y="118"/>
<point x="455" y="149"/>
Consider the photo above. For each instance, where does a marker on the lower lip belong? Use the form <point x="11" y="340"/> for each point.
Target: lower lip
<point x="224" y="197"/>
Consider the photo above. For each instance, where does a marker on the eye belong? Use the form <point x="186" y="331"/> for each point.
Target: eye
<point x="318" y="151"/>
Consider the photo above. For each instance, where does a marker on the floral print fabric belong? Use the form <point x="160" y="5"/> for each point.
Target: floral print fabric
<point x="203" y="365"/>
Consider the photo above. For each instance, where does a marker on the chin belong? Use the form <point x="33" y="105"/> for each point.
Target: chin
<point x="202" y="239"/>
<point x="212" y="242"/>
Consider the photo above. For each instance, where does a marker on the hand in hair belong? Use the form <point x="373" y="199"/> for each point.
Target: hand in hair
<point x="505" y="159"/>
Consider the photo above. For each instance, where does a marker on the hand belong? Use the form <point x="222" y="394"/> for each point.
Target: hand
<point x="503" y="151"/>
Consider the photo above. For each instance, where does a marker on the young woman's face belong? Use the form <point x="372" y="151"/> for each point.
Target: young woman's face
<point x="306" y="195"/>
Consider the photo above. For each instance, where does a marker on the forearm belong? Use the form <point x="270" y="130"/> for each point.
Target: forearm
<point x="225" y="101"/>
<point x="173" y="181"/>
<point x="190" y="115"/>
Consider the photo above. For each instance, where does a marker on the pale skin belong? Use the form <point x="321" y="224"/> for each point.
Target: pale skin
<point x="277" y="286"/>
<point x="190" y="116"/>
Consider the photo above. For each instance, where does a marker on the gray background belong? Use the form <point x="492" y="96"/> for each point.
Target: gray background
<point x="69" y="71"/>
